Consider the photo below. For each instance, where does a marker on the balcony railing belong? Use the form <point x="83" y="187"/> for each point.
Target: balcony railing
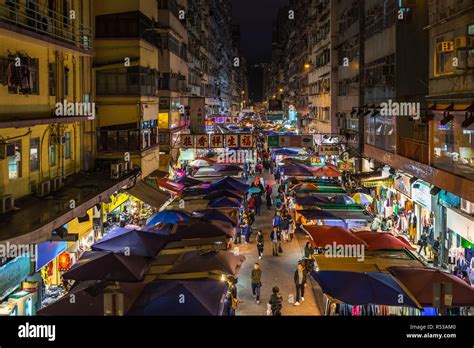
<point x="414" y="149"/>
<point x="45" y="21"/>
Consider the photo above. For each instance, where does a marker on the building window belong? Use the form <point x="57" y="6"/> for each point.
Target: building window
<point x="67" y="145"/>
<point x="22" y="75"/>
<point x="14" y="163"/>
<point x="34" y="154"/>
<point x="52" y="155"/>
<point x="444" y="56"/>
<point x="66" y="81"/>
<point x="52" y="78"/>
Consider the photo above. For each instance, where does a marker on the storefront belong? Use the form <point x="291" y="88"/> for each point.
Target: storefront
<point x="422" y="199"/>
<point x="460" y="241"/>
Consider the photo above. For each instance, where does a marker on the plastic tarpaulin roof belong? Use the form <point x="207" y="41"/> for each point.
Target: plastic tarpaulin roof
<point x="379" y="240"/>
<point x="149" y="194"/>
<point x="229" y="183"/>
<point x="356" y="288"/>
<point x="196" y="228"/>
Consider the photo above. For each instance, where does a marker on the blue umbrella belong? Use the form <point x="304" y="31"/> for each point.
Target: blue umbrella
<point x="133" y="242"/>
<point x="356" y="288"/>
<point x="296" y="170"/>
<point x="169" y="216"/>
<point x="254" y="190"/>
<point x="229" y="183"/>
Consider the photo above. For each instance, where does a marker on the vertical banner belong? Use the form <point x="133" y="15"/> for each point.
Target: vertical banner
<point x="217" y="141"/>
<point x="202" y="141"/>
<point x="246" y="140"/>
<point x="187" y="141"/>
<point x="231" y="141"/>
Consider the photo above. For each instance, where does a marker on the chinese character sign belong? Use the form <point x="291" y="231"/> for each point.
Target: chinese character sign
<point x="217" y="141"/>
<point x="187" y="141"/>
<point x="202" y="141"/>
<point x="232" y="141"/>
<point x="246" y="140"/>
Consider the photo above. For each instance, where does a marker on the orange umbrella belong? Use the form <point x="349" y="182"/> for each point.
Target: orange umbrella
<point x="305" y="187"/>
<point x="328" y="171"/>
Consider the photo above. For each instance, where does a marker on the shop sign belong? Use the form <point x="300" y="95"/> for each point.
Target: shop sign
<point x="231" y="141"/>
<point x="461" y="225"/>
<point x="187" y="141"/>
<point x="306" y="140"/>
<point x="47" y="251"/>
<point x="285" y="140"/>
<point x="328" y="150"/>
<point x="246" y="140"/>
<point x="217" y="141"/>
<point x="13" y="273"/>
<point x="295" y="141"/>
<point x="273" y="141"/>
<point x="402" y="184"/>
<point x="420" y="193"/>
<point x="202" y="141"/>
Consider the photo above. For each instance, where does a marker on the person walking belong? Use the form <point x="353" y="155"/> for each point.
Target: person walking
<point x="284" y="227"/>
<point x="256" y="280"/>
<point x="422" y="242"/>
<point x="275" y="238"/>
<point x="291" y="229"/>
<point x="276" y="302"/>
<point x="260" y="244"/>
<point x="300" y="283"/>
<point x="436" y="246"/>
<point x="268" y="197"/>
<point x="245" y="228"/>
<point x="308" y="250"/>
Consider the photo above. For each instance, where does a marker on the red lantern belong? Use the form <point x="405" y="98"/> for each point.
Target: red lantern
<point x="64" y="261"/>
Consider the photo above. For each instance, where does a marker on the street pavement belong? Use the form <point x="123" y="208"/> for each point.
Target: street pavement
<point x="276" y="270"/>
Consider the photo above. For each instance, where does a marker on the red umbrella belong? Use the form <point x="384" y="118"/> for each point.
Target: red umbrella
<point x="406" y="242"/>
<point x="420" y="282"/>
<point x="379" y="240"/>
<point x="327" y="235"/>
<point x="327" y="171"/>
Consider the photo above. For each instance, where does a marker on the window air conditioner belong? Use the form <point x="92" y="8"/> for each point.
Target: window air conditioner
<point x="7" y="150"/>
<point x="467" y="207"/>
<point x="7" y="203"/>
<point x="57" y="184"/>
<point x="44" y="189"/>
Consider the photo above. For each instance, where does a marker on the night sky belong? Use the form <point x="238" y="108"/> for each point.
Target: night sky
<point x="256" y="19"/>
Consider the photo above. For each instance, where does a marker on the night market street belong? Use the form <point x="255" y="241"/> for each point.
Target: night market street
<point x="276" y="270"/>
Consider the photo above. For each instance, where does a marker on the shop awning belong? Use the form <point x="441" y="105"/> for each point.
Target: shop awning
<point x="149" y="194"/>
<point x="318" y="214"/>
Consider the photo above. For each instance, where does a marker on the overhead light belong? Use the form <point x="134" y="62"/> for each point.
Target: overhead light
<point x="448" y="117"/>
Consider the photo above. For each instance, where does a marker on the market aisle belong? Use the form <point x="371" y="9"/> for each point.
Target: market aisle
<point x="275" y="271"/>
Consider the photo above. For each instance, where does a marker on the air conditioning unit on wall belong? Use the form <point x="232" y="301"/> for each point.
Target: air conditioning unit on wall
<point x="44" y="189"/>
<point x="467" y="207"/>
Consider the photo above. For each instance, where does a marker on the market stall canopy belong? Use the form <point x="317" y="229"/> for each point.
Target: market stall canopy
<point x="342" y="200"/>
<point x="170" y="186"/>
<point x="356" y="288"/>
<point x="225" y="202"/>
<point x="105" y="265"/>
<point x="318" y="214"/>
<point x="188" y="182"/>
<point x="200" y="163"/>
<point x="327" y="235"/>
<point x="229" y="215"/>
<point x="228" y="168"/>
<point x="326" y="171"/>
<point x="149" y="194"/>
<point x="132" y="242"/>
<point x="372" y="261"/>
<point x="421" y="282"/>
<point x="380" y="240"/>
<point x="212" y="261"/>
<point x="224" y="193"/>
<point x="291" y="160"/>
<point x="162" y="297"/>
<point x="168" y="216"/>
<point x="296" y="170"/>
<point x="89" y="298"/>
<point x="311" y="200"/>
<point x="196" y="228"/>
<point x="304" y="187"/>
<point x="229" y="183"/>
